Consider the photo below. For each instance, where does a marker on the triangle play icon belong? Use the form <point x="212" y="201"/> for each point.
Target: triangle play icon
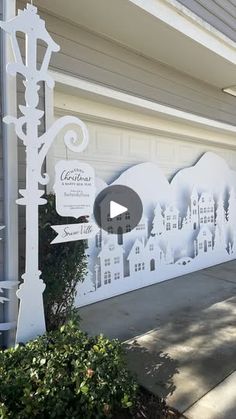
<point x="116" y="209"/>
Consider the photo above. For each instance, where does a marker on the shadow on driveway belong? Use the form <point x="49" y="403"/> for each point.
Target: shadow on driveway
<point x="179" y="335"/>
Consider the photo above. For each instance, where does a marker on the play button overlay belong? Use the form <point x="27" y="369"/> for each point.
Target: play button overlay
<point x="118" y="209"/>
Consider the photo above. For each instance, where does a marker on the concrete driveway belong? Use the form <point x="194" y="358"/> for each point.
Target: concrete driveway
<point x="180" y="338"/>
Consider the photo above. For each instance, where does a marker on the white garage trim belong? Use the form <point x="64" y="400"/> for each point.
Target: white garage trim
<point x="184" y="20"/>
<point x="155" y="117"/>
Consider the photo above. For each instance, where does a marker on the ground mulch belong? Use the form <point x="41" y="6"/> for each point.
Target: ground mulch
<point x="149" y="406"/>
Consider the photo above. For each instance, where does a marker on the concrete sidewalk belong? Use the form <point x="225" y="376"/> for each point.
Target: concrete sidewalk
<point x="180" y="338"/>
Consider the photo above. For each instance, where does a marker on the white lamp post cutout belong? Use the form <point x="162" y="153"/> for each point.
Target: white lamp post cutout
<point x="31" y="319"/>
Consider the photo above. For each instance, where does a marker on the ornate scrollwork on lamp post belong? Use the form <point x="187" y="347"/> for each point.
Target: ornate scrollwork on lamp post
<point x="31" y="320"/>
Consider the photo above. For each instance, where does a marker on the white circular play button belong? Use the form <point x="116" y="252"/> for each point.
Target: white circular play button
<point x="118" y="209"/>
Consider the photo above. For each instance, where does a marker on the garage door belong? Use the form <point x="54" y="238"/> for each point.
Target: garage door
<point x="183" y="174"/>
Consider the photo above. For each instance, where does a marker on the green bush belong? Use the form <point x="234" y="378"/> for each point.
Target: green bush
<point x="63" y="266"/>
<point x="65" y="374"/>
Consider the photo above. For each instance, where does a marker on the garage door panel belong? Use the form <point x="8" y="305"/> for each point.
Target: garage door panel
<point x="108" y="143"/>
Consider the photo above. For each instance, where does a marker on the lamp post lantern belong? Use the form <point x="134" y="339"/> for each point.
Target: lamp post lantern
<point x="31" y="320"/>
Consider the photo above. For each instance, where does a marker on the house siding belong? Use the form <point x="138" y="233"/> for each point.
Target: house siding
<point x="99" y="60"/>
<point x="221" y="14"/>
<point x="89" y="56"/>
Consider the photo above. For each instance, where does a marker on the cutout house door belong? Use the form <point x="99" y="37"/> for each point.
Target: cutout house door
<point x="120" y="235"/>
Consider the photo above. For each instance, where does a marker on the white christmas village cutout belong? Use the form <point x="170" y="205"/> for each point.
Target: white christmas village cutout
<point x="188" y="224"/>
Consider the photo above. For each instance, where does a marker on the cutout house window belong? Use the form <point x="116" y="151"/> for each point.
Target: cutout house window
<point x="168" y="226"/>
<point x="137" y="250"/>
<point x="127" y="216"/>
<point x="116" y="260"/>
<point x="151" y="247"/>
<point x="209" y="244"/>
<point x="111" y="247"/>
<point x="109" y="218"/>
<point x="117" y="275"/>
<point x="128" y="228"/>
<point x="138" y="267"/>
<point x="107" y="277"/>
<point x="140" y="227"/>
<point x="107" y="262"/>
<point x="119" y="218"/>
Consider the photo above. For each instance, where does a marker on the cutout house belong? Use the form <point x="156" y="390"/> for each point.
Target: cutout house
<point x="155" y="254"/>
<point x="171" y="218"/>
<point x="193" y="212"/>
<point x="111" y="263"/>
<point x="137" y="258"/>
<point x="204" y="242"/>
<point x="206" y="208"/>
